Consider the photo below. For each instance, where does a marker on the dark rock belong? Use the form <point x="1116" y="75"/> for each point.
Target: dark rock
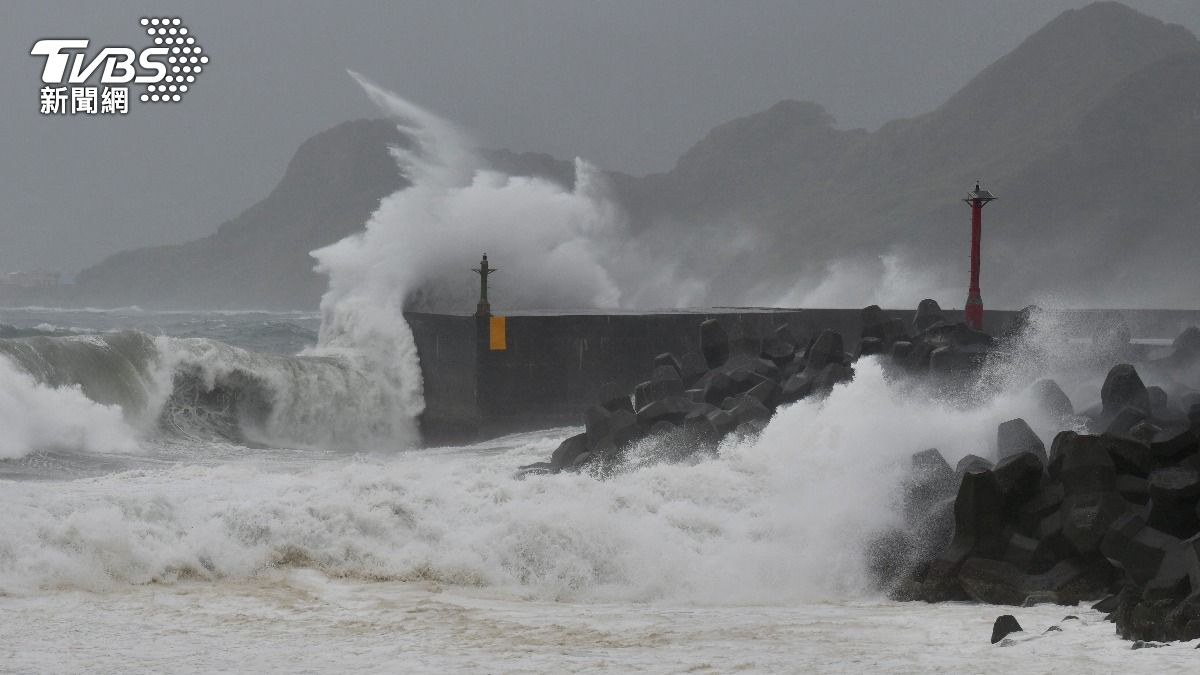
<point x="918" y="357"/>
<point x="748" y="409"/>
<point x="582" y="459"/>
<point x="721" y="422"/>
<point x="901" y="350"/>
<point x="596" y="424"/>
<point x="1107" y="605"/>
<point x="1086" y="465"/>
<point x="714" y="343"/>
<point x="1004" y="626"/>
<point x="1046" y="501"/>
<point x="876" y="325"/>
<point x="1138" y="549"/>
<point x="1145" y="431"/>
<point x="1174" y="492"/>
<point x="669" y="359"/>
<point x="1087" y="517"/>
<point x="657" y="390"/>
<point x="978" y="510"/>
<point x="1123" y="387"/>
<point x="765" y="392"/>
<point x="1018" y="476"/>
<point x="1135" y="490"/>
<point x="1015" y="437"/>
<point x="718" y="387"/>
<point x="751" y="364"/>
<point x="1051" y="399"/>
<point x="1061" y="441"/>
<point x="952" y="360"/>
<point x="1172" y="443"/>
<point x="1041" y="598"/>
<point x="1125" y="420"/>
<point x="1021" y="552"/>
<point x="779" y="352"/>
<point x="871" y="316"/>
<point x="1158" y="397"/>
<point x="567" y="451"/>
<point x="797" y="387"/>
<point x="1186" y="345"/>
<point x="672" y="409"/>
<point x="614" y="398"/>
<point x="825" y="350"/>
<point x="1001" y="583"/>
<point x="623" y="428"/>
<point x="1129" y="455"/>
<point x="745" y="380"/>
<point x="869" y="346"/>
<point x="971" y="463"/>
<point x="928" y="313"/>
<point x="1142" y="644"/>
<point x="664" y="373"/>
<point x="831" y="375"/>
<point x="784" y="334"/>
<point x="691" y="368"/>
<point x="1051" y="629"/>
<point x="1176" y="485"/>
<point x="956" y="335"/>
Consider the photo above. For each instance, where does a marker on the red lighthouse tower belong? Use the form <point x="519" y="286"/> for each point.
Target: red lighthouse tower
<point x="977" y="200"/>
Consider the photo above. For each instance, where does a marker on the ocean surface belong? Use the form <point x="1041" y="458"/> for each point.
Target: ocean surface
<point x="207" y="492"/>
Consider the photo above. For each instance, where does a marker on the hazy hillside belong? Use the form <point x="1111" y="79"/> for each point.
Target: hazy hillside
<point x="260" y="258"/>
<point x="1089" y="131"/>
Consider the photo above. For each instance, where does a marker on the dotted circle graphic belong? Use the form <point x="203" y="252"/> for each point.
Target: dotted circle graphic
<point x="185" y="56"/>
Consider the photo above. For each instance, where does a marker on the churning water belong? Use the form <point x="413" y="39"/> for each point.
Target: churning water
<point x="143" y="527"/>
<point x="242" y="491"/>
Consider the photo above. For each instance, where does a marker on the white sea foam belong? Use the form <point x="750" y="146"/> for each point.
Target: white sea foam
<point x="34" y="416"/>
<point x="782" y="518"/>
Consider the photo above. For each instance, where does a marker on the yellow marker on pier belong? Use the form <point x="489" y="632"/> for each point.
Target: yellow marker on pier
<point x="497" y="341"/>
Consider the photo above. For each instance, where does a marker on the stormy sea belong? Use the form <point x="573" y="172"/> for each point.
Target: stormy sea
<point x="172" y="498"/>
<point x="249" y="491"/>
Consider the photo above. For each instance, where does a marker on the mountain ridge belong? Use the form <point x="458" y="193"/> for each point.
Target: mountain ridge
<point x="1086" y="130"/>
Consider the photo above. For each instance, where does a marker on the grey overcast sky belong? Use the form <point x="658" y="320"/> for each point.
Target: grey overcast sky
<point x="626" y="85"/>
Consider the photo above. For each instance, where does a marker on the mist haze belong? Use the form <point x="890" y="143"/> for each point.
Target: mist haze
<point x="632" y="89"/>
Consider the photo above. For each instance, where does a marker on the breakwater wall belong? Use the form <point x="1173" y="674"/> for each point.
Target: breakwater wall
<point x="486" y="376"/>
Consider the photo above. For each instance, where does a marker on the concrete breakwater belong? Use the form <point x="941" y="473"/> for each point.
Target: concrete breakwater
<point x="528" y="370"/>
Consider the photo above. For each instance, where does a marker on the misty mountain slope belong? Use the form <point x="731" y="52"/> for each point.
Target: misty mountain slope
<point x="260" y="258"/>
<point x="1085" y="130"/>
<point x="1089" y="131"/>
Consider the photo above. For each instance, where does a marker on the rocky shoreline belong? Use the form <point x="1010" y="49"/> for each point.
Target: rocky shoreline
<point x="1111" y="510"/>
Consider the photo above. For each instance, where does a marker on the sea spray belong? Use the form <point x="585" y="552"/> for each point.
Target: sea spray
<point x="417" y="249"/>
<point x="779" y="518"/>
<point x="35" y="416"/>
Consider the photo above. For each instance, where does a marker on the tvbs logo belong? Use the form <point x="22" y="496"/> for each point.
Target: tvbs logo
<point x="168" y="69"/>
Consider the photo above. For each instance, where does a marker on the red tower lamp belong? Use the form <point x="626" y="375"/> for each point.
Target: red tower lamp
<point x="977" y="200"/>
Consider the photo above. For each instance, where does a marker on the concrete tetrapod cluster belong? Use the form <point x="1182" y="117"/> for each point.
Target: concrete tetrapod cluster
<point x="1113" y="512"/>
<point x="691" y="402"/>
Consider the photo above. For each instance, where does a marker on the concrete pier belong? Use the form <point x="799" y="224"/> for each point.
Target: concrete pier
<point x="489" y="375"/>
